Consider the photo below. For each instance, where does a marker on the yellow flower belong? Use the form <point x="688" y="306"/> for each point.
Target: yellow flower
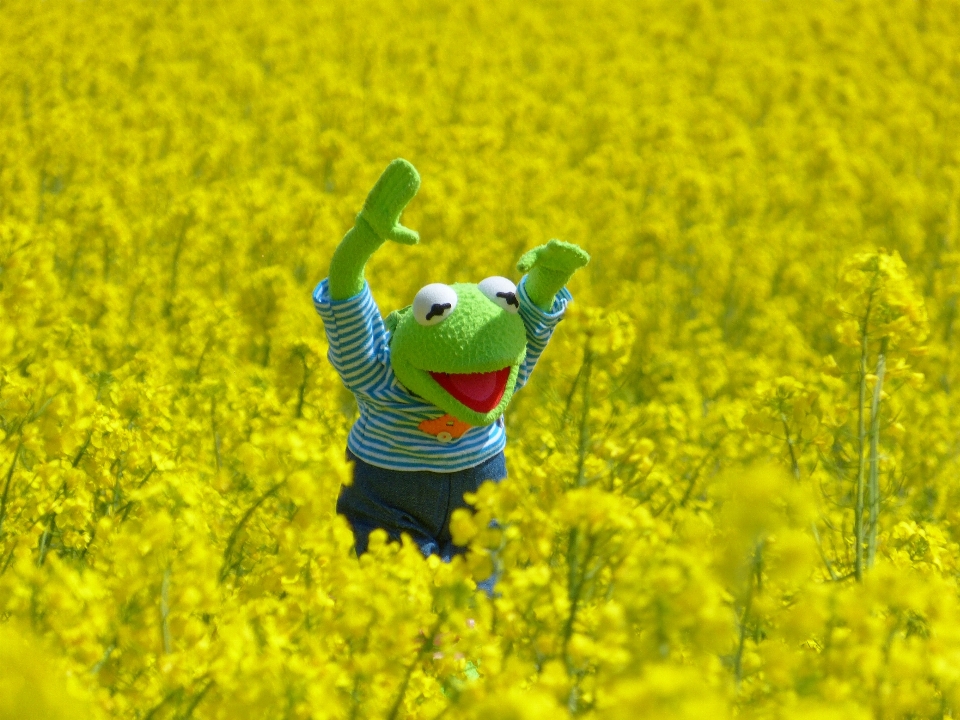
<point x="678" y="532"/>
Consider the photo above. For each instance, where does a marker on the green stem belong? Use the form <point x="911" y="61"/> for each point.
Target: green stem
<point x="584" y="416"/>
<point x="6" y="486"/>
<point x="302" y="391"/>
<point x="794" y="464"/>
<point x="823" y="555"/>
<point x="165" y="612"/>
<point x="46" y="538"/>
<point x="425" y="647"/>
<point x="188" y="713"/>
<point x="216" y="433"/>
<point x="744" y="618"/>
<point x="227" y="554"/>
<point x="577" y="572"/>
<point x="874" y="480"/>
<point x="173" y="696"/>
<point x="186" y="222"/>
<point x="861" y="435"/>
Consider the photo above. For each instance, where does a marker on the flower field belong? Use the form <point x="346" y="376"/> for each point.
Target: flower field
<point x="734" y="478"/>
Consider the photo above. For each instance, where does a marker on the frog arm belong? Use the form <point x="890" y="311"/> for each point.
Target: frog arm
<point x="376" y="223"/>
<point x="549" y="267"/>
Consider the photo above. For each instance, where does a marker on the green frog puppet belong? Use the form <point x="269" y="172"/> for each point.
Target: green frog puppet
<point x="432" y="381"/>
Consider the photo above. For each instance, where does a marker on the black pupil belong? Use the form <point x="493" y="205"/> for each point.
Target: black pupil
<point x="437" y="309"/>
<point x="510" y="297"/>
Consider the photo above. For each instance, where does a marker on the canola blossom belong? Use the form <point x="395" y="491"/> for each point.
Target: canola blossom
<point x="734" y="477"/>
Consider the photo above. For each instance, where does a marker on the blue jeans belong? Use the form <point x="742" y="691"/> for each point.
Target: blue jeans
<point x="418" y="503"/>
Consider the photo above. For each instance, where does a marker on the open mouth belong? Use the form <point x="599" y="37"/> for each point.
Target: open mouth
<point x="481" y="392"/>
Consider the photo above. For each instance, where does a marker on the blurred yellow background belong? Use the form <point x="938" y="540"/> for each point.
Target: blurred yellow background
<point x="733" y="478"/>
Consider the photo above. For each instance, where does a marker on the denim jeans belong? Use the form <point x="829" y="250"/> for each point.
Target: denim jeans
<point x="418" y="503"/>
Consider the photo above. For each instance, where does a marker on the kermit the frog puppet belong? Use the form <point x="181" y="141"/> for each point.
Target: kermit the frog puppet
<point x="432" y="381"/>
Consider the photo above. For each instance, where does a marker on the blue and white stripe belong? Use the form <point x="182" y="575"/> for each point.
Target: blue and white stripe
<point x="386" y="434"/>
<point x="539" y="324"/>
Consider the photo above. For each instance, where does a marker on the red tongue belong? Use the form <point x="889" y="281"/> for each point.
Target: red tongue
<point x="480" y="392"/>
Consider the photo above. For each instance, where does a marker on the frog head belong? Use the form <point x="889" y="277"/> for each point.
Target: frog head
<point x="460" y="347"/>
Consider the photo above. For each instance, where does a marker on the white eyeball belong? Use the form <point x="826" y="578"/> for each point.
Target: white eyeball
<point x="434" y="303"/>
<point x="502" y="292"/>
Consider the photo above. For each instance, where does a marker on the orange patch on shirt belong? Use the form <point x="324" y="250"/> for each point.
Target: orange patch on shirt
<point x="444" y="428"/>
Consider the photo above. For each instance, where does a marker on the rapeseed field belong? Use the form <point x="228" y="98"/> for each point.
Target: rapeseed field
<point x="734" y="478"/>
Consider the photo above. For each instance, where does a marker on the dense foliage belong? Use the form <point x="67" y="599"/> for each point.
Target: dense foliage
<point x="734" y="479"/>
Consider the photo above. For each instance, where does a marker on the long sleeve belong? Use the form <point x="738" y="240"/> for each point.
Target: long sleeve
<point x="539" y="325"/>
<point x="358" y="339"/>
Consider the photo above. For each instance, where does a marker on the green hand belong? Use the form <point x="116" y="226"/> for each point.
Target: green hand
<point x="549" y="267"/>
<point x="377" y="222"/>
<point x="395" y="188"/>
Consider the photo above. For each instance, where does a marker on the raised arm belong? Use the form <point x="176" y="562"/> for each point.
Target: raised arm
<point x="377" y="222"/>
<point x="549" y="267"/>
<point x="543" y="297"/>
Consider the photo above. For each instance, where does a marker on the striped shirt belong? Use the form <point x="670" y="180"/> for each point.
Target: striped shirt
<point x="387" y="433"/>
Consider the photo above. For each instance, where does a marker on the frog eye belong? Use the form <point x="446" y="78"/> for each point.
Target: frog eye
<point x="434" y="303"/>
<point x="502" y="292"/>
